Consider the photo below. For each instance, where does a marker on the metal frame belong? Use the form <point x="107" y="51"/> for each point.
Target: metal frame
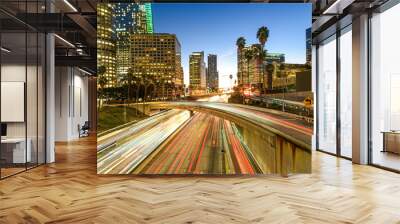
<point x="317" y="96"/>
<point x="338" y="98"/>
<point x="387" y="5"/>
<point x="337" y="34"/>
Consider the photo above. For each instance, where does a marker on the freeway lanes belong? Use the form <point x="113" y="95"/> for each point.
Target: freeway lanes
<point x="145" y="136"/>
<point x="173" y="143"/>
<point x="281" y="123"/>
<point x="206" y="145"/>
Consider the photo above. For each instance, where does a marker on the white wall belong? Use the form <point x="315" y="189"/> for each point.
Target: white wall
<point x="33" y="127"/>
<point x="71" y="102"/>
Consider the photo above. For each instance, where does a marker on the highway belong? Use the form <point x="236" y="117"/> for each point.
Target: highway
<point x="145" y="137"/>
<point x="206" y="145"/>
<point x="278" y="121"/>
<point x="173" y="142"/>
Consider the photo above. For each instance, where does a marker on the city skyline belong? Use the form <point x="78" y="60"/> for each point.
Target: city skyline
<point x="214" y="28"/>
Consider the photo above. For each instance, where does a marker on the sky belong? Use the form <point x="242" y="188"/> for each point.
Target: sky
<point x="215" y="27"/>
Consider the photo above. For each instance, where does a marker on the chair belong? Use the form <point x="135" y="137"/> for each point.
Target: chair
<point x="84" y="130"/>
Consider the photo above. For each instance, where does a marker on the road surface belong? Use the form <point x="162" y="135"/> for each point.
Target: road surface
<point x="206" y="145"/>
<point x="172" y="142"/>
<point x="127" y="153"/>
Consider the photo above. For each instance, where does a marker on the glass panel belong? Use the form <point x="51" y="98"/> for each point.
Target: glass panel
<point x="13" y="87"/>
<point x="385" y="92"/>
<point x="346" y="92"/>
<point x="31" y="98"/>
<point x="327" y="95"/>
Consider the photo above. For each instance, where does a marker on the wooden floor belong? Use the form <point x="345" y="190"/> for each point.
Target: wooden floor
<point x="69" y="191"/>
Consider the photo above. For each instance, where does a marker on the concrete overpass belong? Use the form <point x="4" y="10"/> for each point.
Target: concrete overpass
<point x="274" y="137"/>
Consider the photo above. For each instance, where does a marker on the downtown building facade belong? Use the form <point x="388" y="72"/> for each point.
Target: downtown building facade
<point x="197" y="74"/>
<point x="115" y="25"/>
<point x="106" y="54"/>
<point x="157" y="57"/>
<point x="212" y="72"/>
<point x="308" y="46"/>
<point x="275" y="57"/>
<point x="129" y="19"/>
<point x="266" y="74"/>
<point x="251" y="71"/>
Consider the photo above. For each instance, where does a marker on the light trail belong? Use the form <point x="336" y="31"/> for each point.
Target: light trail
<point x="199" y="148"/>
<point x="126" y="156"/>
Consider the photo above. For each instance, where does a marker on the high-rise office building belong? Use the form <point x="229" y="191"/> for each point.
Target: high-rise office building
<point x="129" y="18"/>
<point x="133" y="17"/>
<point x="197" y="73"/>
<point x="251" y="71"/>
<point x="308" y="46"/>
<point x="212" y="72"/>
<point x="158" y="57"/>
<point x="106" y="43"/>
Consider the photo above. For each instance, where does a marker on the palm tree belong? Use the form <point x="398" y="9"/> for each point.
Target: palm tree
<point x="260" y="54"/>
<point x="146" y="81"/>
<point x="248" y="54"/>
<point x="129" y="79"/>
<point x="262" y="36"/>
<point x="161" y="84"/>
<point x="102" y="81"/>
<point x="240" y="43"/>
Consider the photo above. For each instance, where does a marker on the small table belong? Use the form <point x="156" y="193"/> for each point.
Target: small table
<point x="391" y="141"/>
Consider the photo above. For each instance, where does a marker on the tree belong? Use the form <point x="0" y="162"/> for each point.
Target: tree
<point x="130" y="80"/>
<point x="240" y="43"/>
<point x="259" y="55"/>
<point x="145" y="81"/>
<point x="262" y="36"/>
<point x="161" y="84"/>
<point x="102" y="81"/>
<point x="248" y="54"/>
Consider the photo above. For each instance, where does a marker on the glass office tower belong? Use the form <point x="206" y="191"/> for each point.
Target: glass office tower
<point x="106" y="43"/>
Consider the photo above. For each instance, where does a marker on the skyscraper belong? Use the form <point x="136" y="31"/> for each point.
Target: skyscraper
<point x="158" y="57"/>
<point x="251" y="71"/>
<point x="129" y="18"/>
<point x="197" y="73"/>
<point x="308" y="46"/>
<point x="212" y="72"/>
<point x="105" y="42"/>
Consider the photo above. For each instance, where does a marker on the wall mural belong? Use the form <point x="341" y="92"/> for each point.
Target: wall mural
<point x="215" y="89"/>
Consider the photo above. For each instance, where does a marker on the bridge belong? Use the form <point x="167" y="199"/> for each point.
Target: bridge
<point x="279" y="142"/>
